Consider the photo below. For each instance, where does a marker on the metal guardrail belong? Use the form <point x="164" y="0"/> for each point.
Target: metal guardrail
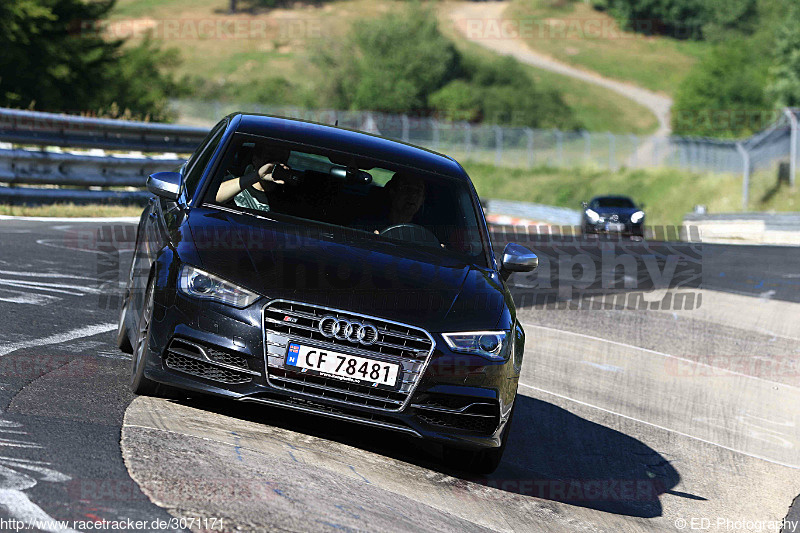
<point x="51" y="129"/>
<point x="48" y="168"/>
<point x="91" y="172"/>
<point x="747" y="228"/>
<point x="500" y="145"/>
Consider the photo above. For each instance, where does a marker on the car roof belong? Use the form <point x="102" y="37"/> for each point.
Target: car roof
<point x="349" y="141"/>
<point x="612" y="197"/>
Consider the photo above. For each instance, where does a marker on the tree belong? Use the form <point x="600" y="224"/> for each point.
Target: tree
<point x="784" y="84"/>
<point x="55" y="58"/>
<point x="723" y="95"/>
<point x="684" y="19"/>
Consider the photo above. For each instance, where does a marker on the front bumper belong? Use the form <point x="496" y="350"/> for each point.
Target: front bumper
<point x="459" y="400"/>
<point x="623" y="228"/>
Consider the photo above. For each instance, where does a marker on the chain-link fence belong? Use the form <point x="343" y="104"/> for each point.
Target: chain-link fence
<point x="528" y="147"/>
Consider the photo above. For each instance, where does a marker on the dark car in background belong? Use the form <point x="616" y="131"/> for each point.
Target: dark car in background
<point x="358" y="283"/>
<point x="612" y="214"/>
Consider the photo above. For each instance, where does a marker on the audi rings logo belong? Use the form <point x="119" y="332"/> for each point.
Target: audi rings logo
<point x="348" y="330"/>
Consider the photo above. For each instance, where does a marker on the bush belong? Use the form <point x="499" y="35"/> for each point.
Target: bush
<point x="784" y="83"/>
<point x="684" y="19"/>
<point x="390" y="64"/>
<point x="401" y="63"/>
<point x="723" y="96"/>
<point x="458" y="100"/>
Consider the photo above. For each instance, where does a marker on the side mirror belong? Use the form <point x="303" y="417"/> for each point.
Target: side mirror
<point x="517" y="258"/>
<point x="167" y="185"/>
<point x="585" y="204"/>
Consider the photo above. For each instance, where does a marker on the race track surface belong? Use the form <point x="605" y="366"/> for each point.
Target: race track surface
<point x="633" y="417"/>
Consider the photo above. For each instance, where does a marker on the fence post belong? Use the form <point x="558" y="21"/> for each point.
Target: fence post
<point x="655" y="152"/>
<point x="635" y="157"/>
<point x="529" y="135"/>
<point x="498" y="148"/>
<point x="560" y="146"/>
<point x="587" y="145"/>
<point x="745" y="175"/>
<point x="435" y="126"/>
<point x="792" y="146"/>
<point x="405" y="128"/>
<point x="467" y="138"/>
<point x="611" y="147"/>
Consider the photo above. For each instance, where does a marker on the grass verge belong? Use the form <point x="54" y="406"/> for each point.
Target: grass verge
<point x="668" y="194"/>
<point x="70" y="210"/>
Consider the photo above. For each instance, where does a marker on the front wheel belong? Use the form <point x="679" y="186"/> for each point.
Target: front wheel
<point x="481" y="461"/>
<point x="140" y="384"/>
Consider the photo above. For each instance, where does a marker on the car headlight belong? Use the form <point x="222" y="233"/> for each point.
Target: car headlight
<point x="592" y="216"/>
<point x="637" y="217"/>
<point x="194" y="282"/>
<point x="492" y="345"/>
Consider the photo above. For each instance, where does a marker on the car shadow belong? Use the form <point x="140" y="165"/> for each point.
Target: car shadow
<point x="552" y="455"/>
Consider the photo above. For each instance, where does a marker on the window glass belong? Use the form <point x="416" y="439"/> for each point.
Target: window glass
<point x="199" y="160"/>
<point x="379" y="201"/>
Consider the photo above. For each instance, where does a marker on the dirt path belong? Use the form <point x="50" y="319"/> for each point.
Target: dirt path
<point x="464" y="16"/>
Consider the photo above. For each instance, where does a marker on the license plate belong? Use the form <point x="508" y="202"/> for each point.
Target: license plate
<point x="342" y="366"/>
<point x="615" y="226"/>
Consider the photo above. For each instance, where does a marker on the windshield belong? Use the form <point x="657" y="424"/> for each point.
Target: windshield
<point x="404" y="206"/>
<point x="612" y="202"/>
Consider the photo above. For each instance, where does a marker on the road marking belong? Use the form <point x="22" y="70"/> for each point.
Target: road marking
<point x="50" y="275"/>
<point x="603" y="409"/>
<point x="86" y="331"/>
<point x="24" y="510"/>
<point x="131" y="220"/>
<point x="47" y="242"/>
<point x="62" y="288"/>
<point x="607" y="368"/>
<point x="26" y="298"/>
<point x="18" y="444"/>
<point x="655" y="352"/>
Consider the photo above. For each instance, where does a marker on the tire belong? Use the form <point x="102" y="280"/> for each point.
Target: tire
<point x="482" y="461"/>
<point x="123" y="339"/>
<point x="140" y="384"/>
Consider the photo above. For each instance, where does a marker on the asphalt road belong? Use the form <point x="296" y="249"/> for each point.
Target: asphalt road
<point x="630" y="417"/>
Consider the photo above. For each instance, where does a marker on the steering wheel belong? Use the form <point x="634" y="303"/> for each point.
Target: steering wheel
<point x="411" y="232"/>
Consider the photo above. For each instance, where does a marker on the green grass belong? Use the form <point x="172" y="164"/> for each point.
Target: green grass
<point x="598" y="109"/>
<point x="577" y="34"/>
<point x="667" y="193"/>
<point x="70" y="210"/>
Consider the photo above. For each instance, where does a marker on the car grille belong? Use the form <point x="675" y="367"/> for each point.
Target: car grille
<point x="459" y="412"/>
<point x="286" y="321"/>
<point x="205" y="362"/>
<point x="203" y="370"/>
<point x="227" y="358"/>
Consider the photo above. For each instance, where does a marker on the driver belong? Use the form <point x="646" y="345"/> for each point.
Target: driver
<point x="405" y="194"/>
<point x="261" y="177"/>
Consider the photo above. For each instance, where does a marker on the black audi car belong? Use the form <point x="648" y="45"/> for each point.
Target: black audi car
<point x="612" y="214"/>
<point x="332" y="272"/>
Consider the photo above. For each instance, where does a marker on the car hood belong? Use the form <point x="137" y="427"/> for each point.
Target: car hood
<point x="337" y="268"/>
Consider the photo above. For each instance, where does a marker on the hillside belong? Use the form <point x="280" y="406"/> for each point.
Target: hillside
<point x="250" y="55"/>
<point x="577" y="34"/>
